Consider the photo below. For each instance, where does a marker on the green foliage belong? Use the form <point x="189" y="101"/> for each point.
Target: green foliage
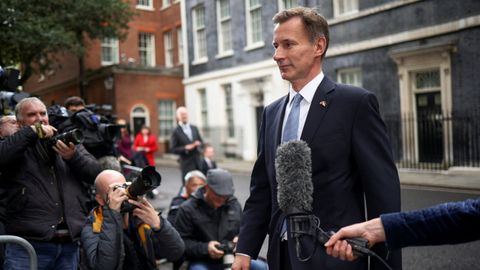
<point x="31" y="31"/>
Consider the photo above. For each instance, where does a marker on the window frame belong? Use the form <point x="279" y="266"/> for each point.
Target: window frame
<point x="149" y="49"/>
<point x="200" y="53"/>
<point x="221" y="21"/>
<point x="113" y="46"/>
<point x="251" y="44"/>
<point x="168" y="48"/>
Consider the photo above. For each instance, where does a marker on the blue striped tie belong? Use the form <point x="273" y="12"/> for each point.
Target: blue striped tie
<point x="291" y="126"/>
<point x="289" y="134"/>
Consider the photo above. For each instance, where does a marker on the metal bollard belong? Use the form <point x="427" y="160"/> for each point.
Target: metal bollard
<point x="25" y="244"/>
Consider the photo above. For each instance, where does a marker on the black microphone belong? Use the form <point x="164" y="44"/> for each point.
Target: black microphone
<point x="293" y="165"/>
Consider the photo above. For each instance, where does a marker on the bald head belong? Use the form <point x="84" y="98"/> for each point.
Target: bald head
<point x="103" y="182"/>
<point x="182" y="114"/>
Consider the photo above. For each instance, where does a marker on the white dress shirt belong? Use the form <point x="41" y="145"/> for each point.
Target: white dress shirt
<point x="307" y="92"/>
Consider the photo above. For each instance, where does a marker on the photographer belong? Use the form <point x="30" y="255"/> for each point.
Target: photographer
<point x="45" y="204"/>
<point x="132" y="240"/>
<point x="209" y="222"/>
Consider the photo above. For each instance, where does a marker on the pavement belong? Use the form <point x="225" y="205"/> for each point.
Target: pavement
<point x="458" y="178"/>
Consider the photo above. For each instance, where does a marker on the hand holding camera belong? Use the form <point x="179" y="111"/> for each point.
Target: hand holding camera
<point x="213" y="250"/>
<point x="116" y="196"/>
<point x="145" y="211"/>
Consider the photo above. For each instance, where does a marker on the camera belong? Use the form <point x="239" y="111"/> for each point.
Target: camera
<point x="74" y="136"/>
<point x="227" y="247"/>
<point x="146" y="181"/>
<point x="9" y="97"/>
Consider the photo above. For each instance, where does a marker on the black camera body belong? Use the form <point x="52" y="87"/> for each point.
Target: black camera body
<point x="146" y="181"/>
<point x="74" y="136"/>
<point x="227" y="247"/>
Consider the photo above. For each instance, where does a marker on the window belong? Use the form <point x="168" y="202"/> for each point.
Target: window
<point x="166" y="3"/>
<point x="145" y="4"/>
<point x="344" y="7"/>
<point x="286" y="4"/>
<point x="180" y="46"/>
<point x="166" y="118"/>
<point x="168" y="45"/>
<point x="203" y="108"/>
<point x="224" y="27"/>
<point x="254" y="23"/>
<point x="109" y="51"/>
<point x="199" y="35"/>
<point x="352" y="76"/>
<point x="229" y="110"/>
<point x="146" y="47"/>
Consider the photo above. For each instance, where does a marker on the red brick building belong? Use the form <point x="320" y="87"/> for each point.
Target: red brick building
<point x="140" y="77"/>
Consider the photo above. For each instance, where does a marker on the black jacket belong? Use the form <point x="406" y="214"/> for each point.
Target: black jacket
<point x="189" y="159"/>
<point x="110" y="247"/>
<point x="198" y="223"/>
<point x="43" y="188"/>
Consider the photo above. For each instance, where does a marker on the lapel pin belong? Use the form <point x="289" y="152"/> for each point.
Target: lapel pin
<point x="323" y="103"/>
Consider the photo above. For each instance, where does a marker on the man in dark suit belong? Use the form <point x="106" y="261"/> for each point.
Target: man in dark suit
<point x="185" y="142"/>
<point x="208" y="161"/>
<point x="353" y="173"/>
<point x="447" y="223"/>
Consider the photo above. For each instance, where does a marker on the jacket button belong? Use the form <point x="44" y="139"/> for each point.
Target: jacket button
<point x="53" y="226"/>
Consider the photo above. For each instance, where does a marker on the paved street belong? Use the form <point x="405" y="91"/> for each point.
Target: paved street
<point x="459" y="257"/>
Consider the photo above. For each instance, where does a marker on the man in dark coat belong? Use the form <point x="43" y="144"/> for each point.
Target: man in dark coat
<point x="353" y="173"/>
<point x="45" y="202"/>
<point x="185" y="142"/>
<point x="209" y="218"/>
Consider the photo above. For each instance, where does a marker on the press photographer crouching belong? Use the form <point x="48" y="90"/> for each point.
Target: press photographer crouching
<point x="118" y="236"/>
<point x="45" y="204"/>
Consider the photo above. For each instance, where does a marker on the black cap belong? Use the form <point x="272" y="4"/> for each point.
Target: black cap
<point x="221" y="182"/>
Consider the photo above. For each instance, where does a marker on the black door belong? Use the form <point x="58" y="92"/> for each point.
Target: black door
<point x="138" y="122"/>
<point x="430" y="127"/>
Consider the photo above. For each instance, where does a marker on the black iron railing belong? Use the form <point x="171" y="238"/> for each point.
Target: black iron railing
<point x="435" y="140"/>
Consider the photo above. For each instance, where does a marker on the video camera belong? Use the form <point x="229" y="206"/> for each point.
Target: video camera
<point x="99" y="132"/>
<point x="9" y="79"/>
<point x="146" y="181"/>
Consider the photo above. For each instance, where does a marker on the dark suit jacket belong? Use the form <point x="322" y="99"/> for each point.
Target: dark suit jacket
<point x="351" y="160"/>
<point x="205" y="167"/>
<point x="189" y="160"/>
<point x="448" y="223"/>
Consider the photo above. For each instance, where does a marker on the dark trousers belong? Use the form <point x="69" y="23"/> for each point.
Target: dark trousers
<point x="284" y="256"/>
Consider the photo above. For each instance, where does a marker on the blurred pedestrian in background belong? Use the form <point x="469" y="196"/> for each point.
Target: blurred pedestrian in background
<point x="146" y="143"/>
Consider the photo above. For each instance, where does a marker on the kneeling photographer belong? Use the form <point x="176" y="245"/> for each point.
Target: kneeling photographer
<point x="124" y="231"/>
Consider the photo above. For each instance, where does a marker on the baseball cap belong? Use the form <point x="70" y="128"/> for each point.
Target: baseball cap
<point x="220" y="181"/>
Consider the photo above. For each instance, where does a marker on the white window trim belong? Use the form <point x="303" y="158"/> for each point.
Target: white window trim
<point x="168" y="48"/>
<point x="115" y="50"/>
<point x="180" y="57"/>
<point x="250" y="44"/>
<point x="221" y="51"/>
<point x="152" y="46"/>
<point x="336" y="9"/>
<point x="160" y="118"/>
<point x="349" y="71"/>
<point x="281" y="6"/>
<point x="146" y="8"/>
<point x="196" y="59"/>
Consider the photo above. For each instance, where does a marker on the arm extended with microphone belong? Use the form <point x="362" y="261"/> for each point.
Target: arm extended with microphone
<point x="293" y="166"/>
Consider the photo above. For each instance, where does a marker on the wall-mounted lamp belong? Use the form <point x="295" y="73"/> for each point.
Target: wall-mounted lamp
<point x="108" y="83"/>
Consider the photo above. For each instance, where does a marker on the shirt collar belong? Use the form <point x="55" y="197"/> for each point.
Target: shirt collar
<point x="308" y="91"/>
